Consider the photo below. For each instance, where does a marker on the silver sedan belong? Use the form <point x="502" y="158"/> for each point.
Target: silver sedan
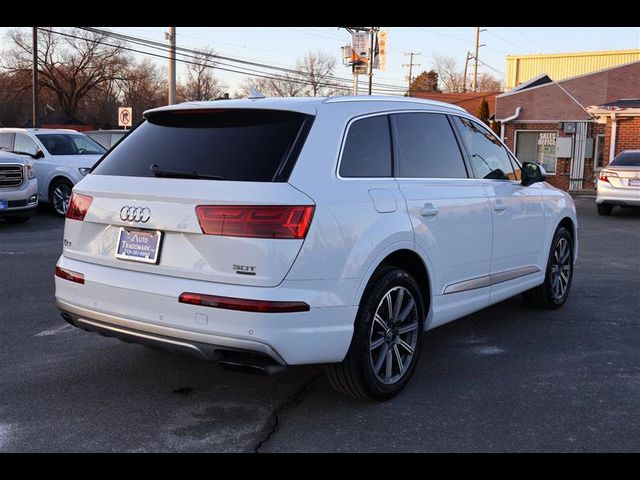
<point x="619" y="182"/>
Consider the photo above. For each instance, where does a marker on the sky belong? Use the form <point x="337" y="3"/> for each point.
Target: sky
<point x="282" y="46"/>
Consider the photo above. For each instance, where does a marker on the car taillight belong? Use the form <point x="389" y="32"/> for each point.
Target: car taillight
<point x="255" y="221"/>
<point x="78" y="206"/>
<point x="69" y="275"/>
<point x="228" y="303"/>
<point x="604" y="175"/>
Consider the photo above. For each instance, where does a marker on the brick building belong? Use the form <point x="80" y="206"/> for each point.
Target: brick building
<point x="548" y="122"/>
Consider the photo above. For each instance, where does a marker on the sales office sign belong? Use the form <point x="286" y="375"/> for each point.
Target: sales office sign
<point x="547" y="138"/>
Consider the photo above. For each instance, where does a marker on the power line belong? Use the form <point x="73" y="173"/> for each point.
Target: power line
<point x="206" y="64"/>
<point x="508" y="41"/>
<point x="198" y="53"/>
<point x="534" y="39"/>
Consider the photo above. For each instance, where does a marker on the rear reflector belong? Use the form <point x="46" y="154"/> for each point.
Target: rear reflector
<point x="69" y="275"/>
<point x="78" y="206"/>
<point x="261" y="306"/>
<point x="255" y="221"/>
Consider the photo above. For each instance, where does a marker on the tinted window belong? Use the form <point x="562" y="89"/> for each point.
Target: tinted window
<point x="367" y="150"/>
<point x="70" y="144"/>
<point x="427" y="147"/>
<point x="627" y="159"/>
<point x="6" y="141"/>
<point x="489" y="159"/>
<point x="25" y="144"/>
<point x="241" y="145"/>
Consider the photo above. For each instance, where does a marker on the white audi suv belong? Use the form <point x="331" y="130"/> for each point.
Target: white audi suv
<point x="263" y="233"/>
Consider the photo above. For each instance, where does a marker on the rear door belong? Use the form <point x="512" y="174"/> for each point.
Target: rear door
<point x="450" y="212"/>
<point x="208" y="187"/>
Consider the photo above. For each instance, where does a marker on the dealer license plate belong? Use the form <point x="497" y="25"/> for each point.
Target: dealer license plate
<point x="139" y="245"/>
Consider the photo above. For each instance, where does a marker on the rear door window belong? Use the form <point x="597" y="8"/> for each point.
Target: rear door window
<point x="367" y="149"/>
<point x="427" y="147"/>
<point x="250" y="145"/>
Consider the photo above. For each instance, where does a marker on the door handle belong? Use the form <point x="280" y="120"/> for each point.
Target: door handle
<point x="499" y="206"/>
<point x="428" y="210"/>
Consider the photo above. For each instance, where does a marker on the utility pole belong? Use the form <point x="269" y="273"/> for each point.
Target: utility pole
<point x="475" y="66"/>
<point x="410" y="65"/>
<point x="372" y="35"/>
<point x="172" y="65"/>
<point x="36" y="85"/>
<point x="474" y="86"/>
<point x="464" y="77"/>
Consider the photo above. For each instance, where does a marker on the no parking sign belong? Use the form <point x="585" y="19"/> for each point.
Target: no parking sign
<point x="125" y="116"/>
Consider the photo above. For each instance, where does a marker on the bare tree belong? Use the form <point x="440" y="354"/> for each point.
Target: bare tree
<point x="200" y="83"/>
<point x="449" y="75"/>
<point x="280" y="86"/>
<point x="316" y="69"/>
<point x="489" y="83"/>
<point x="145" y="87"/>
<point x="69" y="66"/>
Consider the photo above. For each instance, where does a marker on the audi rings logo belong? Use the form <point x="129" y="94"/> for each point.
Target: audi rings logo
<point x="135" y="214"/>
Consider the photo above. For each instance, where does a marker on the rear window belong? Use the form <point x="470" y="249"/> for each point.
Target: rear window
<point x="626" y="159"/>
<point x="233" y="144"/>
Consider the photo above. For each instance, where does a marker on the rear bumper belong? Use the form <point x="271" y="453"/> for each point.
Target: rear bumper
<point x="144" y="308"/>
<point x="606" y="194"/>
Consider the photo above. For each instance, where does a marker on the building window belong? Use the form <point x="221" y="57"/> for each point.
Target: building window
<point x="599" y="152"/>
<point x="537" y="147"/>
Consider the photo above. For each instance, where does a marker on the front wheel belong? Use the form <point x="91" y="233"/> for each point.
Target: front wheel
<point x="559" y="274"/>
<point x="60" y="195"/>
<point x="386" y="340"/>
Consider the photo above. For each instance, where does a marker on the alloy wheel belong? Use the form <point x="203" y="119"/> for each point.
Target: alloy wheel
<point x="561" y="265"/>
<point x="60" y="197"/>
<point x="393" y="335"/>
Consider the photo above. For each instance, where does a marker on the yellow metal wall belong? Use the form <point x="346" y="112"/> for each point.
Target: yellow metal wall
<point x="559" y="66"/>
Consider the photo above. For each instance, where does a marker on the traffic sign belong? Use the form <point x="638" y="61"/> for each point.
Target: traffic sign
<point x="125" y="116"/>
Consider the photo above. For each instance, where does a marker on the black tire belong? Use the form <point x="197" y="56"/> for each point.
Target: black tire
<point x="355" y="375"/>
<point x="605" y="209"/>
<point x="545" y="296"/>
<point x="58" y="203"/>
<point x="18" y="218"/>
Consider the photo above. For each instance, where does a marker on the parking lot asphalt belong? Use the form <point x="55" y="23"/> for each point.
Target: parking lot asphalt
<point x="504" y="379"/>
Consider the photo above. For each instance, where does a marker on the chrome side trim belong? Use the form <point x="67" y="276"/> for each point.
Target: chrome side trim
<point x="511" y="274"/>
<point x="468" y="285"/>
<point x="488" y="280"/>
<point x="173" y="336"/>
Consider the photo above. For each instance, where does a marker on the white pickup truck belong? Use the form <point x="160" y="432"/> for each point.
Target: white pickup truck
<point x="18" y="188"/>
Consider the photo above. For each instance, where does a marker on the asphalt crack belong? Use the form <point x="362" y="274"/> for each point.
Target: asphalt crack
<point x="289" y="403"/>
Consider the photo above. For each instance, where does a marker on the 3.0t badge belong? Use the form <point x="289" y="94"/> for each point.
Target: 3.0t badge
<point x="135" y="214"/>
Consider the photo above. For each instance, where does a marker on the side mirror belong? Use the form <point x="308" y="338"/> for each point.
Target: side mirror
<point x="38" y="154"/>
<point x="532" y="173"/>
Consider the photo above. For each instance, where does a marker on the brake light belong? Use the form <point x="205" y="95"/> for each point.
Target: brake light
<point x="604" y="175"/>
<point x="69" y="275"/>
<point x="255" y="221"/>
<point x="242" y="304"/>
<point x="78" y="206"/>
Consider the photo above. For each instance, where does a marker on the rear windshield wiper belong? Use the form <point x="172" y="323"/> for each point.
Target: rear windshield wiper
<point x="161" y="172"/>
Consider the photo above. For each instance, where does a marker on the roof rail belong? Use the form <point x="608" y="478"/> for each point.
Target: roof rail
<point x="389" y="98"/>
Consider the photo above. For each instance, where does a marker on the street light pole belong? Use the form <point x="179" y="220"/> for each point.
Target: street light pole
<point x="36" y="86"/>
<point x="371" y="55"/>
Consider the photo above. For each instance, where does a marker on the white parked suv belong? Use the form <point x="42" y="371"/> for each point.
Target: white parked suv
<point x="61" y="159"/>
<point x="18" y="188"/>
<point x="270" y="232"/>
